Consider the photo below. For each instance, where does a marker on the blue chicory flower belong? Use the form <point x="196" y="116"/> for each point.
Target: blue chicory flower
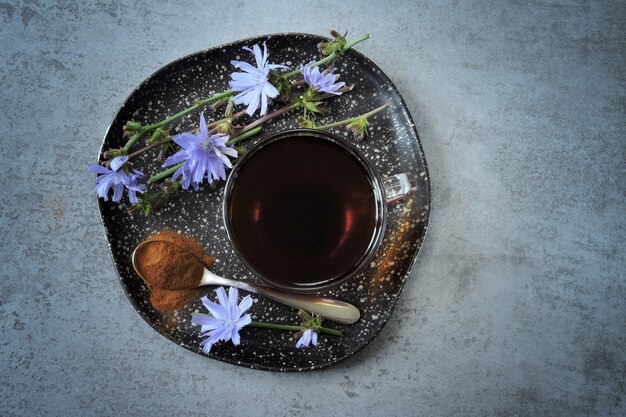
<point x="253" y="85"/>
<point x="117" y="179"/>
<point x="321" y="81"/>
<point x="308" y="336"/>
<point x="228" y="318"/>
<point x="202" y="153"/>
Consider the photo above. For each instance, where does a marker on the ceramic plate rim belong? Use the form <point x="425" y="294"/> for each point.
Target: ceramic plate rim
<point x="426" y="221"/>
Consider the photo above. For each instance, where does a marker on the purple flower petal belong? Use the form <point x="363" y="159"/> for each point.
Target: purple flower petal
<point x="253" y="104"/>
<point x="221" y="333"/>
<point x="177" y="174"/>
<point x="227" y="318"/>
<point x="98" y="169"/>
<point x="138" y="173"/>
<point x="242" y="66"/>
<point x="244" y="305"/>
<point x="202" y="156"/>
<point x="118" y="162"/>
<point x="233" y="296"/>
<point x="229" y="151"/>
<point x="225" y="160"/>
<point x="210" y="322"/>
<point x="204" y="130"/>
<point x="234" y="336"/>
<point x="244" y="321"/>
<point x="185" y="139"/>
<point x="207" y="348"/>
<point x="276" y="66"/>
<point x="117" y="180"/>
<point x="321" y="81"/>
<point x="198" y="169"/>
<point x="222" y="297"/>
<point x="253" y="85"/>
<point x="308" y="336"/>
<point x="103" y="187"/>
<point x="270" y="90"/>
<point x="132" y="197"/>
<point x="218" y="311"/>
<point x="304" y="340"/>
<point x="177" y="158"/>
<point x="118" y="190"/>
<point x="221" y="170"/>
<point x="260" y="58"/>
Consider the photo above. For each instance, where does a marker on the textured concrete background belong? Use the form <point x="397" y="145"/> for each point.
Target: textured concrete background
<point x="516" y="303"/>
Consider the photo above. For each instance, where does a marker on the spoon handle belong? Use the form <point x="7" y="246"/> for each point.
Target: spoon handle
<point x="335" y="310"/>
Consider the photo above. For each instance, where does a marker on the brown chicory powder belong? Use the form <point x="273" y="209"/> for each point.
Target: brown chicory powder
<point x="172" y="268"/>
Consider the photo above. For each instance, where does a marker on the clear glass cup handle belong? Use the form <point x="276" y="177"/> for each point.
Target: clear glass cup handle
<point x="398" y="187"/>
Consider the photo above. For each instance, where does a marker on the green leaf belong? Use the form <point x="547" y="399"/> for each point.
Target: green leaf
<point x="131" y="128"/>
<point x="306" y="122"/>
<point x="312" y="106"/>
<point x="282" y="84"/>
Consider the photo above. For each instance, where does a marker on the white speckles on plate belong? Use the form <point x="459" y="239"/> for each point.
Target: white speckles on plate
<point x="392" y="147"/>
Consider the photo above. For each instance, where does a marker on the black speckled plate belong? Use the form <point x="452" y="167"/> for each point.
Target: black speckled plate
<point x="393" y="147"/>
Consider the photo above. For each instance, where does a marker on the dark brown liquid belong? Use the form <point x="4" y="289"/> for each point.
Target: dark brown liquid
<point x="302" y="211"/>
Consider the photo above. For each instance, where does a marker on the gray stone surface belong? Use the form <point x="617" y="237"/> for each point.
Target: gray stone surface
<point x="516" y="303"/>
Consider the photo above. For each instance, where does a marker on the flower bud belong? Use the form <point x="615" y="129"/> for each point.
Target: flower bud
<point x="219" y="103"/>
<point x="326" y="48"/>
<point x="164" y="149"/>
<point x="225" y="127"/>
<point x="359" y="128"/>
<point x="336" y="46"/>
<point x="230" y="107"/>
<point x="112" y="153"/>
<point x="157" y="135"/>
<point x="131" y="128"/>
<point x="306" y="123"/>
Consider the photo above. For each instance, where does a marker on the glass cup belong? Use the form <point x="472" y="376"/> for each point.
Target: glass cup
<point x="305" y="211"/>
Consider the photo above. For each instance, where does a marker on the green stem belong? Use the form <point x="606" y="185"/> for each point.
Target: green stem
<point x="197" y="105"/>
<point x="133" y="139"/>
<point x="225" y="119"/>
<point x="210" y="125"/>
<point x="244" y="135"/>
<point x="352" y="119"/>
<point x="147" y="148"/>
<point x="162" y="175"/>
<point x="268" y="117"/>
<point x="332" y="56"/>
<point x="252" y="129"/>
<point x="200" y="103"/>
<point x="275" y="326"/>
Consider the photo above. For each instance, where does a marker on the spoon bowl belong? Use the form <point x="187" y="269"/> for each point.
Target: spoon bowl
<point x="331" y="309"/>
